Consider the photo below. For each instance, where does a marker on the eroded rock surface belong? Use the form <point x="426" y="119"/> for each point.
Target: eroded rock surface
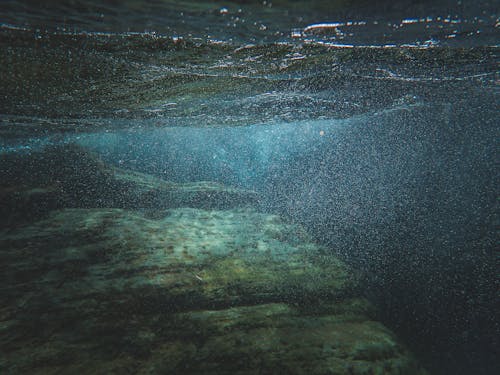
<point x="108" y="271"/>
<point x="183" y="291"/>
<point x="71" y="176"/>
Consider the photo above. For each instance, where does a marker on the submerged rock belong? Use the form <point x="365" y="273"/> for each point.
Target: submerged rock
<point x="189" y="259"/>
<point x="182" y="291"/>
<point x="72" y="177"/>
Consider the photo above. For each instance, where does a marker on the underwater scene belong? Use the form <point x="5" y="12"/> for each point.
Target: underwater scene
<point x="249" y="187"/>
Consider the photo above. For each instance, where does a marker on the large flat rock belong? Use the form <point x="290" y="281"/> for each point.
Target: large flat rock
<point x="70" y="176"/>
<point x="182" y="291"/>
<point x="187" y="259"/>
<point x="260" y="339"/>
<point x="107" y="270"/>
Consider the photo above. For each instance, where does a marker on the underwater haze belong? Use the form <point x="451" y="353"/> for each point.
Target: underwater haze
<point x="249" y="187"/>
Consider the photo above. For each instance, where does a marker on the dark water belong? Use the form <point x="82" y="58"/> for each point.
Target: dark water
<point x="372" y="125"/>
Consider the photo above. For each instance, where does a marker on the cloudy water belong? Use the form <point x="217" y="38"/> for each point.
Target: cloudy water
<point x="249" y="187"/>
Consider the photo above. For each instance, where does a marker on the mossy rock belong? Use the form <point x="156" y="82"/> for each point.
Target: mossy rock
<point x="272" y="338"/>
<point x="189" y="292"/>
<point x="70" y="176"/>
<point x="189" y="258"/>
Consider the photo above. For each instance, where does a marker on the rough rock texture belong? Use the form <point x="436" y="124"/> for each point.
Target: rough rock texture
<point x="71" y="176"/>
<point x="102" y="275"/>
<point x="188" y="259"/>
<point x="182" y="291"/>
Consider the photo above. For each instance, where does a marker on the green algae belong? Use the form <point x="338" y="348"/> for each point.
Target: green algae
<point x="169" y="296"/>
<point x="151" y="289"/>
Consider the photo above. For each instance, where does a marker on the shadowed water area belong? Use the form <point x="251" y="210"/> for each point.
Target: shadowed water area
<point x="249" y="187"/>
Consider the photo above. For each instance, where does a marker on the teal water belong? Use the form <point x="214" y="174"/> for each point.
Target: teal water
<point x="249" y="187"/>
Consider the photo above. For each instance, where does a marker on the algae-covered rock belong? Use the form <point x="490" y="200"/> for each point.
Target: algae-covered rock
<point x="188" y="259"/>
<point x="282" y="339"/>
<point x="114" y="271"/>
<point x="70" y="176"/>
<point x="145" y="191"/>
<point x="182" y="291"/>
